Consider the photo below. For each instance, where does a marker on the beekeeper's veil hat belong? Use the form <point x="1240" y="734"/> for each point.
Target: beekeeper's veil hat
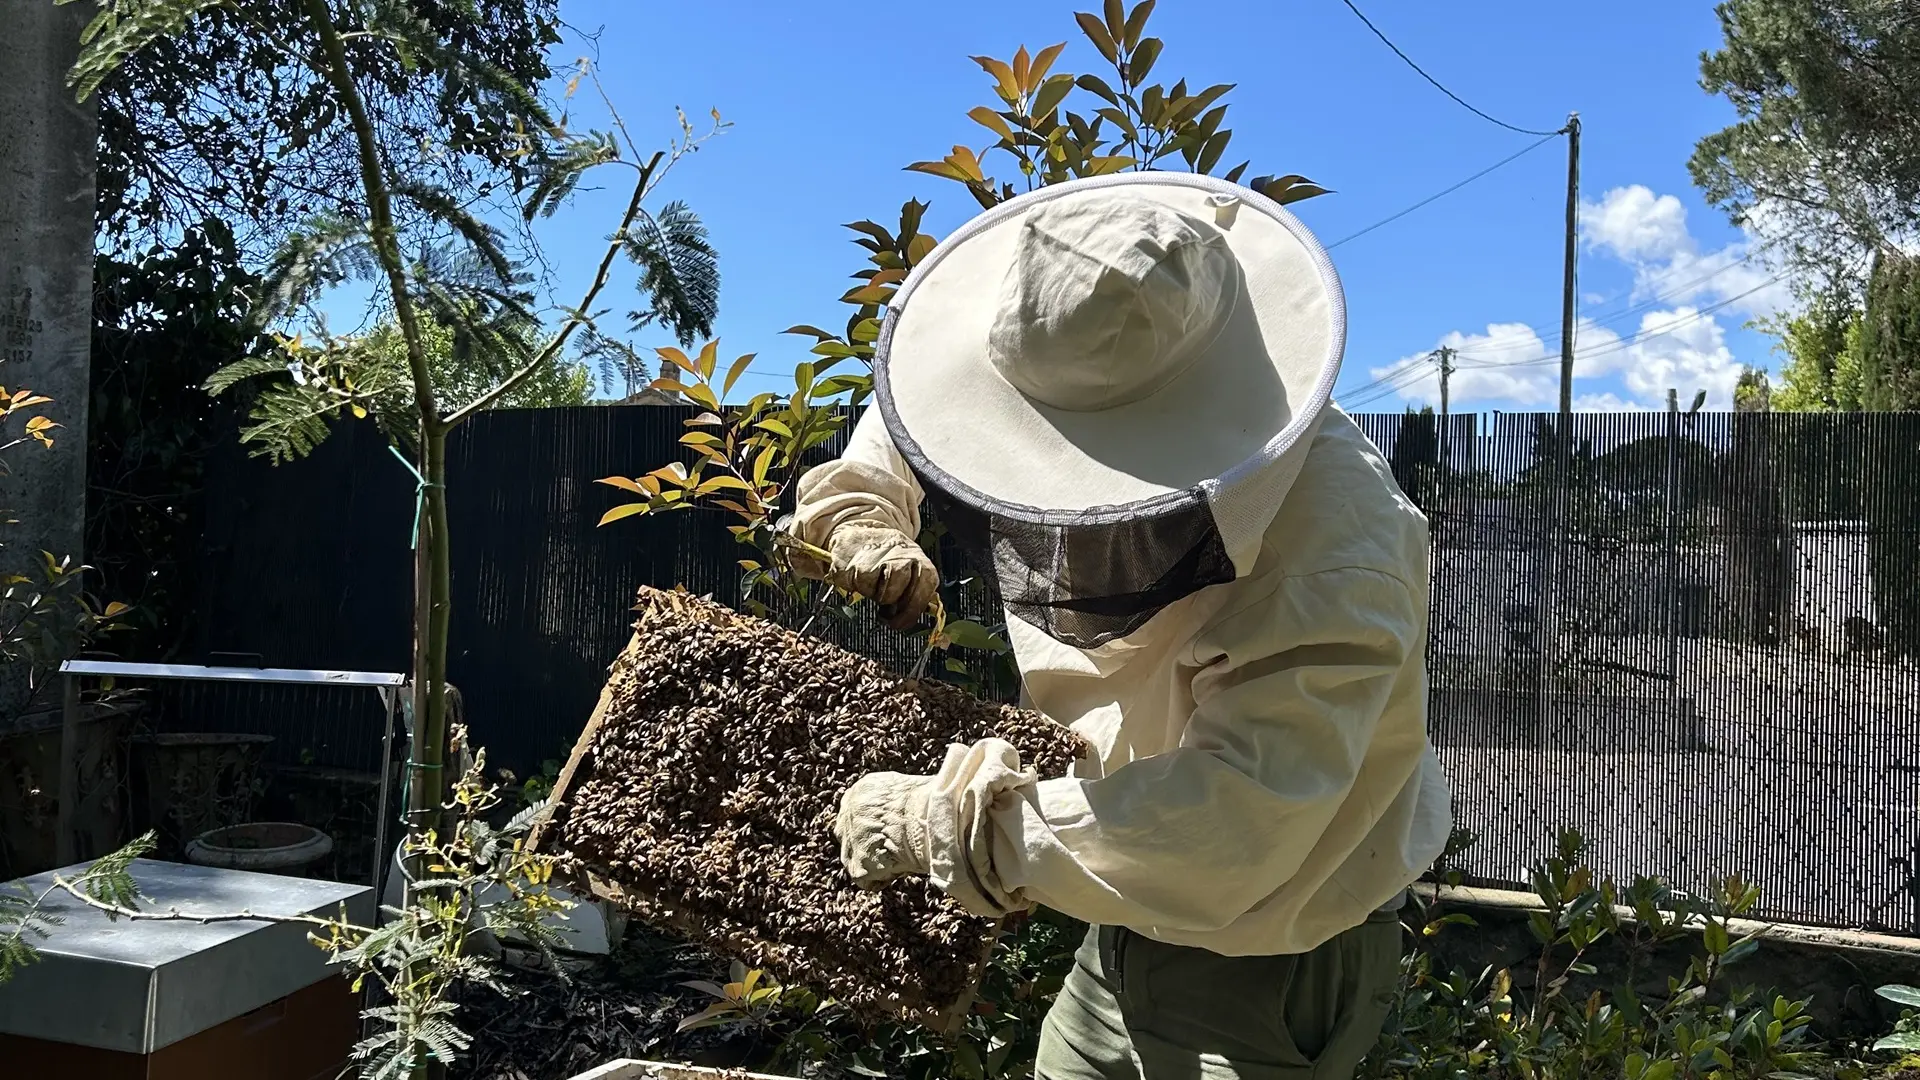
<point x="1110" y="383"/>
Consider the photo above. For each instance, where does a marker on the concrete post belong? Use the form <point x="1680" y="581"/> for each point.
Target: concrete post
<point x="46" y="281"/>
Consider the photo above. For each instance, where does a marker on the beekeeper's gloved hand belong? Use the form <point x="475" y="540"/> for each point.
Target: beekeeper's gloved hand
<point x="885" y="566"/>
<point x="882" y="827"/>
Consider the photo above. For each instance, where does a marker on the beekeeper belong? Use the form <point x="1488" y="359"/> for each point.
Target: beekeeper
<point x="1119" y="388"/>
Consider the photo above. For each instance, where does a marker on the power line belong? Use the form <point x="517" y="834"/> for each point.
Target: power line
<point x="1445" y="193"/>
<point x="1656" y="330"/>
<point x="1396" y="378"/>
<point x="1436" y="82"/>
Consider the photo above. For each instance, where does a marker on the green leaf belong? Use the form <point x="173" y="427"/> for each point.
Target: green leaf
<point x="1116" y="11"/>
<point x="1005" y="84"/>
<point x="1094" y="84"/>
<point x="1043" y="62"/>
<point x="1096" y="32"/>
<point x="938" y="168"/>
<point x="967" y="634"/>
<point x="880" y="235"/>
<point x="1899" y="1040"/>
<point x="720" y="1012"/>
<point x="1051" y="94"/>
<point x="619" y="512"/>
<point x="990" y="120"/>
<point x="1900" y="994"/>
<point x="1714" y="936"/>
<point x="868" y="294"/>
<point x="1142" y="62"/>
<point x="738" y="369"/>
<point x="1136" y="23"/>
<point x="1211" y="150"/>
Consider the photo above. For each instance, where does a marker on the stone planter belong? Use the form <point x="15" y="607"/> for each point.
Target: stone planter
<point x="30" y="786"/>
<point x="267" y="847"/>
<point x="186" y="784"/>
<point x="658" y="1070"/>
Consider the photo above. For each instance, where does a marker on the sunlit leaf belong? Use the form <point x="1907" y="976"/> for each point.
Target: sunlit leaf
<point x="941" y="169"/>
<point x="1051" y="94"/>
<point x="619" y="512"/>
<point x="678" y="359"/>
<point x="721" y="483"/>
<point x="1007" y="86"/>
<point x="623" y="483"/>
<point x="738" y="369"/>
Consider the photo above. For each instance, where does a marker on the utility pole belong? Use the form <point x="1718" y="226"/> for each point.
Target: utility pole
<point x="1567" y="282"/>
<point x="1444" y="357"/>
<point x="1557" y="555"/>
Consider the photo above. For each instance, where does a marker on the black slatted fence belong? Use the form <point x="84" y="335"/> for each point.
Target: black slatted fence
<point x="1696" y="642"/>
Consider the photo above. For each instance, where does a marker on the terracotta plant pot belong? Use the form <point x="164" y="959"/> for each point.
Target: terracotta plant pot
<point x="268" y="847"/>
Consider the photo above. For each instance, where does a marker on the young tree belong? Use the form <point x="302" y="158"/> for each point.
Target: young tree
<point x="468" y="285"/>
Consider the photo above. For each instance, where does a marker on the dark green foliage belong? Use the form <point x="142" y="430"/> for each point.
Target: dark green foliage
<point x="1889" y="342"/>
<point x="164" y="320"/>
<point x="1828" y="135"/>
<point x="223" y="122"/>
<point x="1888" y="359"/>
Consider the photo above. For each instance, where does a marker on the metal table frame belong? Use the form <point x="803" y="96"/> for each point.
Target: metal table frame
<point x="387" y="684"/>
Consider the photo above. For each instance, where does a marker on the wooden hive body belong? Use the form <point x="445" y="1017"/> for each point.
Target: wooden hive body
<point x="701" y="798"/>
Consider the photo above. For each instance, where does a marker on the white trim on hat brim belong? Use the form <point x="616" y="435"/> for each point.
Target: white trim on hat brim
<point x="1223" y="417"/>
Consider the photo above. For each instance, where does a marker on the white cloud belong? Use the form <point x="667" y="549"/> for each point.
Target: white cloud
<point x="1649" y="233"/>
<point x="1607" y="402"/>
<point x="1666" y="333"/>
<point x="1636" y="225"/>
<point x="1684" y="352"/>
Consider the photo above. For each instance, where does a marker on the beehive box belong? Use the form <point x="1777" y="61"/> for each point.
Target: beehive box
<point x="702" y="794"/>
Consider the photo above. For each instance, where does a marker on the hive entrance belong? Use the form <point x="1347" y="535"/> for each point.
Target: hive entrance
<point x="701" y="797"/>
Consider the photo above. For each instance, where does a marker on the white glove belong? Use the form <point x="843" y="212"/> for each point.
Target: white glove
<point x="882" y="827"/>
<point x="885" y="566"/>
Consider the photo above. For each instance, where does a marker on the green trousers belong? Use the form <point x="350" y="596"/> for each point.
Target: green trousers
<point x="1136" y="1009"/>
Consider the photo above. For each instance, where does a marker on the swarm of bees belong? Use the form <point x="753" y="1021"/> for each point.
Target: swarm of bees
<point x="701" y="798"/>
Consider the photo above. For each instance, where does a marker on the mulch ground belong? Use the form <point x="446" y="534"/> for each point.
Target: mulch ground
<point x="553" y="1029"/>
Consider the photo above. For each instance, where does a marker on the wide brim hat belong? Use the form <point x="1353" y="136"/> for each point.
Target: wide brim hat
<point x="1023" y="372"/>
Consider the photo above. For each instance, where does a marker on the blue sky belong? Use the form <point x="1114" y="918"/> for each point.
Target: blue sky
<point x="829" y="101"/>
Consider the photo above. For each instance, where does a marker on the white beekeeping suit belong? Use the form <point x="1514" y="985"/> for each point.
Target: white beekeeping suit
<point x="1119" y="388"/>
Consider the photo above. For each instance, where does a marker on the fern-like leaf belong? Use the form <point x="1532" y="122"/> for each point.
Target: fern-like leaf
<point x="122" y="28"/>
<point x="679" y="272"/>
<point x="441" y="206"/>
<point x="330" y="249"/>
<point x="556" y="174"/>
